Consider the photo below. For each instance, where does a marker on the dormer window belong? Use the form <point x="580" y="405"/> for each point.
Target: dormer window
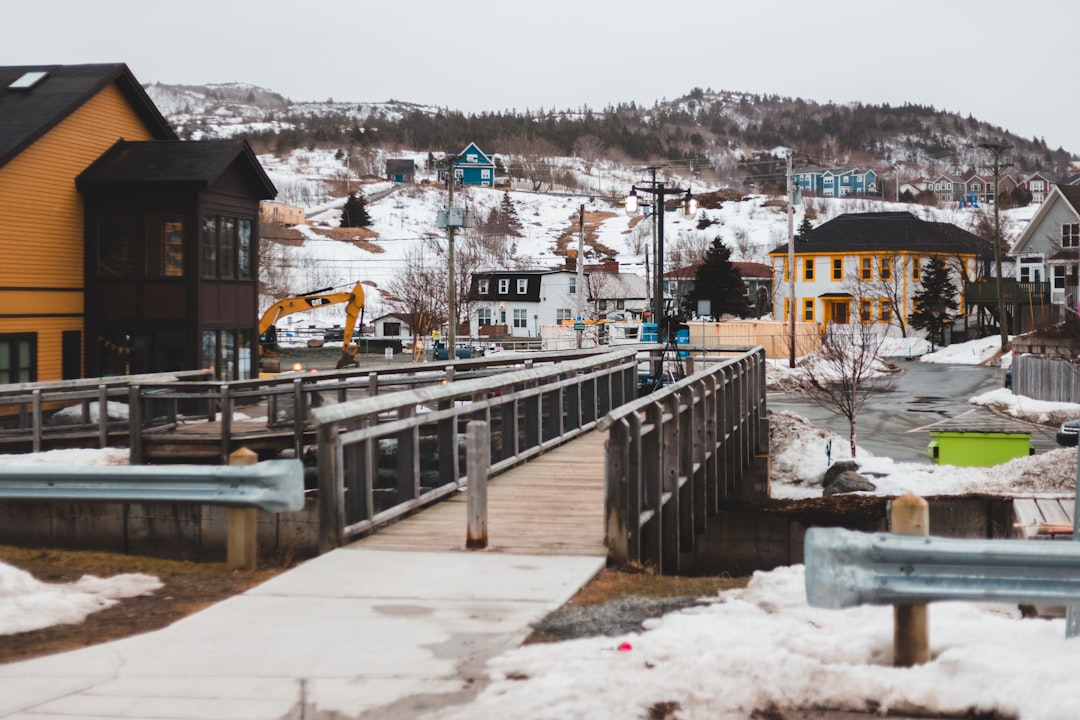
<point x="504" y="285"/>
<point x="482" y="286"/>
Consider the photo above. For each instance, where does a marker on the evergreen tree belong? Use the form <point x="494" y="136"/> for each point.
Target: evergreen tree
<point x="509" y="216"/>
<point x="804" y="227"/>
<point x="937" y="294"/>
<point x="719" y="282"/>
<point x="355" y="213"/>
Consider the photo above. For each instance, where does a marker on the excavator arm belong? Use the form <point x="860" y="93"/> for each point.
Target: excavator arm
<point x="298" y="303"/>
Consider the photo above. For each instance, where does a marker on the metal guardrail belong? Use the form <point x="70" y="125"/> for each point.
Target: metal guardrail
<point x="675" y="454"/>
<point x="383" y="457"/>
<point x="845" y="568"/>
<point x="273" y="485"/>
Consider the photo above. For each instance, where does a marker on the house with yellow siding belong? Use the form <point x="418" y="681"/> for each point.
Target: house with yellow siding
<point x="62" y="314"/>
<point x="866" y="267"/>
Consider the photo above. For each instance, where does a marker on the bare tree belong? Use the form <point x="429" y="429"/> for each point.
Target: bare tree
<point x="846" y="372"/>
<point x="885" y="285"/>
<point x="418" y="292"/>
<point x="590" y="149"/>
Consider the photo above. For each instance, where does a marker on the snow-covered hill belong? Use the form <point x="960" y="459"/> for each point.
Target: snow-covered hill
<point x="404" y="222"/>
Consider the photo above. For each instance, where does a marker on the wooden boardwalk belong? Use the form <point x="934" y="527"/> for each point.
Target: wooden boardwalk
<point x="551" y="505"/>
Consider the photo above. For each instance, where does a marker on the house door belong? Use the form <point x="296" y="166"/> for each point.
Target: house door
<point x="838" y="312"/>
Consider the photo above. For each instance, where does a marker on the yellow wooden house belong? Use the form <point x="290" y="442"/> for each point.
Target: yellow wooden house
<point x="56" y="122"/>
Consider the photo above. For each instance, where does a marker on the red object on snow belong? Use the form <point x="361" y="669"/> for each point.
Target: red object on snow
<point x="625" y="647"/>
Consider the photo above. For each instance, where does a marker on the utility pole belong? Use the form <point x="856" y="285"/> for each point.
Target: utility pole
<point x="451" y="284"/>
<point x="996" y="149"/>
<point x="791" y="260"/>
<point x="580" y="270"/>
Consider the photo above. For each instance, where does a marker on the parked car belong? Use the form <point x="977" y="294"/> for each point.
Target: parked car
<point x="334" y="334"/>
<point x="1068" y="433"/>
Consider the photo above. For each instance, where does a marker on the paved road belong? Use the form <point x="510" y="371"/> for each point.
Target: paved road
<point x="896" y="424"/>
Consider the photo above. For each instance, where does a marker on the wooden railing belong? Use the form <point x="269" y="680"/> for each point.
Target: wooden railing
<point x="984" y="292"/>
<point x="386" y="456"/>
<point x="29" y="411"/>
<point x="157" y="407"/>
<point x="674" y="455"/>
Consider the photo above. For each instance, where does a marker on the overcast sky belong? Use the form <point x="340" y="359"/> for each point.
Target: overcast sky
<point x="1004" y="62"/>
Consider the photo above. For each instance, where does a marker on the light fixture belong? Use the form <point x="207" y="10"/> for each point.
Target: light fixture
<point x="297" y="367"/>
<point x="689" y="205"/>
<point x="631" y="204"/>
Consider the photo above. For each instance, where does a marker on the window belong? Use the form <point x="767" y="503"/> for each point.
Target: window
<point x="573" y="285"/>
<point x="808" y="269"/>
<point x="18" y="358"/>
<point x="244" y="249"/>
<point x="117" y="246"/>
<point x="209" y="246"/>
<point x="164" y="246"/>
<point x="485" y="174"/>
<point x="483" y="317"/>
<point x="867" y="271"/>
<point x="885" y="311"/>
<point x="916" y="269"/>
<point x="472" y="158"/>
<point x="522" y="286"/>
<point x="808" y="310"/>
<point x="1070" y="235"/>
<point x="1059" y="277"/>
<point x="866" y="311"/>
<point x="504" y="285"/>
<point x="521" y="318"/>
<point x="227" y="246"/>
<point x="886" y="268"/>
<point x="837" y="268"/>
<point x="562" y="314"/>
<point x="482" y="286"/>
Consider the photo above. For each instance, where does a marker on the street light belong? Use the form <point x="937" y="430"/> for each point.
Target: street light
<point x="689" y="207"/>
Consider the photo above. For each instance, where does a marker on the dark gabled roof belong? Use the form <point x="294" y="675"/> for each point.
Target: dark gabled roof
<point x="1071" y="193"/>
<point x="26" y="115"/>
<point x="887" y="232"/>
<point x="194" y="163"/>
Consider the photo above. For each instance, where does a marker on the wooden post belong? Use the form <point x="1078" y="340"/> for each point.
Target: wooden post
<point x="910" y="515"/>
<point x="477" y="464"/>
<point x="241" y="546"/>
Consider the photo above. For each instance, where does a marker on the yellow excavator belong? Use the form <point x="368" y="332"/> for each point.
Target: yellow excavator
<point x="354" y="312"/>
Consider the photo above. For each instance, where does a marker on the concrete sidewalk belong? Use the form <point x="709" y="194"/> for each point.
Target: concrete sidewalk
<point x="351" y="632"/>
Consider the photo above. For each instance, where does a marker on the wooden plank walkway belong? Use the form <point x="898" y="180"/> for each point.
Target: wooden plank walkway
<point x="551" y="505"/>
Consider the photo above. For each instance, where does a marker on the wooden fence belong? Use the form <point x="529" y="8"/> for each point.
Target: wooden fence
<point x="1046" y="378"/>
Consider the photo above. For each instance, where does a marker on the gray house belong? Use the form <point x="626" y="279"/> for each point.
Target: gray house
<point x="1049" y="248"/>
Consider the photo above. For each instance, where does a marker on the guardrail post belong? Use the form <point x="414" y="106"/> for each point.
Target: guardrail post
<point x="299" y="417"/>
<point x="135" y="421"/>
<point x="242" y="525"/>
<point x="910" y="515"/>
<point x="226" y="422"/>
<point x="477" y="464"/>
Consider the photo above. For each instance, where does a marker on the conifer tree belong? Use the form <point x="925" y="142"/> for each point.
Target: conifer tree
<point x="937" y="294"/>
<point x="509" y="216"/>
<point x="804" y="227"/>
<point x="718" y="281"/>
<point x="355" y="213"/>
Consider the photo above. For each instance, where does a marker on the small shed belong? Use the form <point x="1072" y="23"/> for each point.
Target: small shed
<point x="978" y="446"/>
<point x="401" y="170"/>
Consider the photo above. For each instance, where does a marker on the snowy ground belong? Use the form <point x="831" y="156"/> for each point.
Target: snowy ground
<point x="749" y="649"/>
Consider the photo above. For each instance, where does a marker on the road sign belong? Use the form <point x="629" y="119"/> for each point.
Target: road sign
<point x="579" y="326"/>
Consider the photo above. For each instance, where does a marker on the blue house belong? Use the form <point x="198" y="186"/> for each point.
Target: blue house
<point x="836" y="183"/>
<point x="473" y="167"/>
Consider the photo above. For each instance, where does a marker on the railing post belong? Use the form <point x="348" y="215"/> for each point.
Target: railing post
<point x="242" y="525"/>
<point x="373" y="384"/>
<point x="331" y="489"/>
<point x="226" y="422"/>
<point x="135" y="421"/>
<point x="299" y="417"/>
<point x="910" y="515"/>
<point x="477" y="464"/>
<point x="103" y="416"/>
<point x="617" y="515"/>
<point x="36" y="419"/>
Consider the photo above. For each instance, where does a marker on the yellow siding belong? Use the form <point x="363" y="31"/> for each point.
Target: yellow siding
<point x="41" y="222"/>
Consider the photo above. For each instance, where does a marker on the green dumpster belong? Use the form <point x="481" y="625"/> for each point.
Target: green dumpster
<point x="978" y="447"/>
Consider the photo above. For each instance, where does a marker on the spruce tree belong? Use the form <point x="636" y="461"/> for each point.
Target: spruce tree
<point x="355" y="213"/>
<point x="804" y="227"/>
<point x="937" y="294"/>
<point x="718" y="281"/>
<point x="509" y="216"/>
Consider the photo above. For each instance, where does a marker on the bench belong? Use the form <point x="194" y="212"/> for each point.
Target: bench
<point x="273" y="486"/>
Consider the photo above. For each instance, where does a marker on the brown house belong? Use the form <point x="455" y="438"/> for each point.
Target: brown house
<point x="122" y="249"/>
